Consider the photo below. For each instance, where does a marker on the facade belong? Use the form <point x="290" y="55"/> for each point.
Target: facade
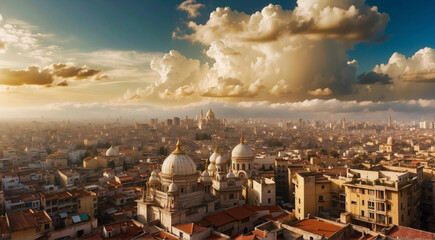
<point x="261" y="192"/>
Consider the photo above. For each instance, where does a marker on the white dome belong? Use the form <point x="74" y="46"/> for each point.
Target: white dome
<point x="242" y="151"/>
<point x="172" y="188"/>
<point x="390" y="140"/>
<point x="112" y="152"/>
<point x="205" y="176"/>
<point x="213" y="157"/>
<point x="231" y="175"/>
<point x="221" y="160"/>
<point x="178" y="163"/>
<point x="154" y="177"/>
<point x="212" y="167"/>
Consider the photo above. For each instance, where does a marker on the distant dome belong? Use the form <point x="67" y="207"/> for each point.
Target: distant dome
<point x="172" y="188"/>
<point x="112" y="152"/>
<point x="242" y="150"/>
<point x="178" y="163"/>
<point x="231" y="175"/>
<point x="210" y="114"/>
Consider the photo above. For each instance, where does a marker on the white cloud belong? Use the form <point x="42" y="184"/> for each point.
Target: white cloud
<point x="320" y="92"/>
<point x="191" y="7"/>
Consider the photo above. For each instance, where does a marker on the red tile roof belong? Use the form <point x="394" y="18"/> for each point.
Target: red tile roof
<point x="409" y="233"/>
<point x="240" y="212"/>
<point x="244" y="237"/>
<point x="318" y="227"/>
<point x="27" y="219"/>
<point x="219" y="219"/>
<point x="190" y="228"/>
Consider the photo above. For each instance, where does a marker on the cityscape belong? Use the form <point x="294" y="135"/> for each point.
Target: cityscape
<point x="217" y="120"/>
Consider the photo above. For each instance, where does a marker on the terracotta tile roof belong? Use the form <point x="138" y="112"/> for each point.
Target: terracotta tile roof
<point x="318" y="227"/>
<point x="409" y="233"/>
<point x="219" y="219"/>
<point x="239" y="212"/>
<point x="273" y="209"/>
<point x="27" y="219"/>
<point x="190" y="228"/>
<point x="165" y="235"/>
<point x="259" y="233"/>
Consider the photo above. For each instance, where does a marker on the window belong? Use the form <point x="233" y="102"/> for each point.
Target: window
<point x="181" y="235"/>
<point x="323" y="186"/>
<point x="47" y="226"/>
<point x="320" y="198"/>
<point x="353" y="202"/>
<point x="390" y="220"/>
<point x="299" y="201"/>
<point x="182" y="190"/>
<point x="268" y="191"/>
<point x="371" y="215"/>
<point x="269" y="200"/>
<point x="362" y="213"/>
<point x="232" y="196"/>
<point x="299" y="210"/>
<point x="362" y="202"/>
<point x="353" y="189"/>
<point x="363" y="191"/>
<point x="371" y="205"/>
<point x="371" y="192"/>
<point x="389" y="207"/>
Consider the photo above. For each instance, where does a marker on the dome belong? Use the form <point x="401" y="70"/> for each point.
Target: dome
<point x="210" y="114"/>
<point x="211" y="167"/>
<point x="205" y="176"/>
<point x="221" y="160"/>
<point x="242" y="150"/>
<point x="112" y="152"/>
<point x="231" y="175"/>
<point x="172" y="188"/>
<point x="154" y="176"/>
<point x="214" y="155"/>
<point x="178" y="163"/>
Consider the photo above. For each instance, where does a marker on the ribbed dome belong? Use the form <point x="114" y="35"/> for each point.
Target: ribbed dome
<point x="154" y="176"/>
<point x="172" y="188"/>
<point x="231" y="175"/>
<point x="212" y="167"/>
<point x="242" y="151"/>
<point x="205" y="176"/>
<point x="112" y="152"/>
<point x="178" y="163"/>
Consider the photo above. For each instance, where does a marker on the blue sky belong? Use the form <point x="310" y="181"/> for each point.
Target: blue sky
<point x="152" y="53"/>
<point x="148" y="25"/>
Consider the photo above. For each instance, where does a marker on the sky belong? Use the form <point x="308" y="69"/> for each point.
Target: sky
<point x="286" y="59"/>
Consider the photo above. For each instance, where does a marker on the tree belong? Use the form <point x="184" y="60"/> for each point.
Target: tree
<point x="335" y="154"/>
<point x="323" y="151"/>
<point x="111" y="164"/>
<point x="202" y="136"/>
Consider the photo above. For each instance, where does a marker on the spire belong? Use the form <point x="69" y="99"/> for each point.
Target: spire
<point x="178" y="148"/>
<point x="206" y="165"/>
<point x="216" y="150"/>
<point x="242" y="139"/>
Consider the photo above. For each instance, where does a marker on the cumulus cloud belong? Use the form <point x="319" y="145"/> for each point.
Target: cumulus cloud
<point x="320" y="92"/>
<point x="373" y="77"/>
<point x="418" y="68"/>
<point x="272" y="55"/>
<point x="191" y="7"/>
<point x="34" y="75"/>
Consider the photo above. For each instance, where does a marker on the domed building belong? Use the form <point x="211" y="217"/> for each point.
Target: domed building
<point x="112" y="152"/>
<point x="242" y="160"/>
<point x="389" y="146"/>
<point x="175" y="194"/>
<point x="210" y="122"/>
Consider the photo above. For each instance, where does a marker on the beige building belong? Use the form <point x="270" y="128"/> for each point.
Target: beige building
<point x="261" y="192"/>
<point x="68" y="178"/>
<point x="95" y="162"/>
<point x="29" y="225"/>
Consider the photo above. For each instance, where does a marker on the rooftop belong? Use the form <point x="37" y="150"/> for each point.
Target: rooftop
<point x="318" y="227"/>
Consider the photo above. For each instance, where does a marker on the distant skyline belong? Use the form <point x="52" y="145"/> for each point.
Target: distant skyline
<point x="283" y="59"/>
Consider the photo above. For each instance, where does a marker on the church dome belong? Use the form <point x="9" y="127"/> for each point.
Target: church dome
<point x="210" y="114"/>
<point x="112" y="152"/>
<point x="154" y="176"/>
<point x="213" y="157"/>
<point x="221" y="160"/>
<point x="242" y="150"/>
<point x="205" y="176"/>
<point x="231" y="175"/>
<point x="172" y="188"/>
<point x="212" y="167"/>
<point x="178" y="163"/>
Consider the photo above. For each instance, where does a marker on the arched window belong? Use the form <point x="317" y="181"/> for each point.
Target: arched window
<point x="249" y="166"/>
<point x="238" y="166"/>
<point x="243" y="166"/>
<point x="234" y="166"/>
